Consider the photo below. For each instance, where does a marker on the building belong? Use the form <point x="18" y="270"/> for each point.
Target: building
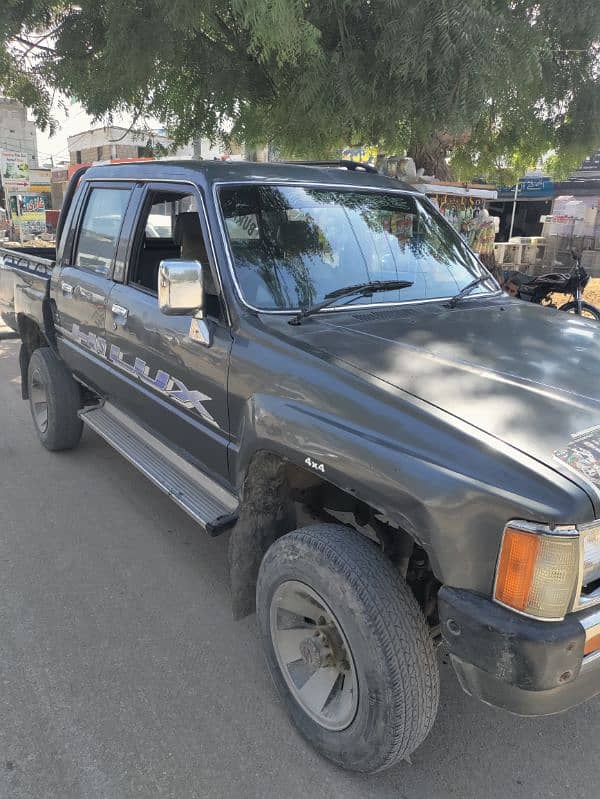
<point x="537" y="197"/>
<point x="112" y="142"/>
<point x="533" y="199"/>
<point x="589" y="170"/>
<point x="576" y="212"/>
<point x="17" y="133"/>
<point x="550" y="220"/>
<point x="59" y="182"/>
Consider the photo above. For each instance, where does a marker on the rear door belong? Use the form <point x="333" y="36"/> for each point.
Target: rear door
<point x="83" y="284"/>
<point x="170" y="380"/>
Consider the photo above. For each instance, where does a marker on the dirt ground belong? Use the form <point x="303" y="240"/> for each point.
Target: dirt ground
<point x="591" y="294"/>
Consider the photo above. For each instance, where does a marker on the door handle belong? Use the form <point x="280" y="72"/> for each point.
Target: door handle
<point x="118" y="310"/>
<point x="67" y="288"/>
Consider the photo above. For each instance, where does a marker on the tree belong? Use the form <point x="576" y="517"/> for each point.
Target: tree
<point x="492" y="83"/>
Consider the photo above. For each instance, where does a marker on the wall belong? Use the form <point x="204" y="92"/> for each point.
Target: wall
<point x="16" y="132"/>
<point x="102" y="144"/>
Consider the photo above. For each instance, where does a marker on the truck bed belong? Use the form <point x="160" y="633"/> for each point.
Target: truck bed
<point x="24" y="282"/>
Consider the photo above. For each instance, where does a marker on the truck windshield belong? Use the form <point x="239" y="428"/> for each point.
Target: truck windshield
<point x="291" y="245"/>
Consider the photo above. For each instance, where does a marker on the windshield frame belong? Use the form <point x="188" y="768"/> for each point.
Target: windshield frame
<point x="217" y="185"/>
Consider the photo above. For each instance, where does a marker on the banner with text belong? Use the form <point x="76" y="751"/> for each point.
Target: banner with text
<point x="14" y="171"/>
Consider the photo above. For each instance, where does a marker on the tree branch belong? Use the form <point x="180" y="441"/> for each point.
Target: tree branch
<point x="34" y="45"/>
<point x="136" y="116"/>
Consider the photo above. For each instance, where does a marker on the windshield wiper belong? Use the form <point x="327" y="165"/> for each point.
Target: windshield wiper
<point x="452" y="303"/>
<point x="359" y="289"/>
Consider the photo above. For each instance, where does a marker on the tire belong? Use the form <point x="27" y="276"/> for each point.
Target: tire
<point x="588" y="311"/>
<point x="390" y="653"/>
<point x="54" y="399"/>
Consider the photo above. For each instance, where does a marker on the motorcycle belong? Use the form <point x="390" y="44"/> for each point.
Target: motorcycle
<point x="539" y="288"/>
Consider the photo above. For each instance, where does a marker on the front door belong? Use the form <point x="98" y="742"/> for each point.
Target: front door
<point x="170" y="380"/>
<point x="85" y="279"/>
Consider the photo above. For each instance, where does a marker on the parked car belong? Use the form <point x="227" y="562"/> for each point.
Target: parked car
<point x="310" y="359"/>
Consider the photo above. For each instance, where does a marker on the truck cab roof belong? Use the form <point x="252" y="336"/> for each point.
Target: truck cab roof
<point x="211" y="172"/>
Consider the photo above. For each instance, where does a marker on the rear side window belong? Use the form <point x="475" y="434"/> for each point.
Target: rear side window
<point x="163" y="213"/>
<point x="100" y="229"/>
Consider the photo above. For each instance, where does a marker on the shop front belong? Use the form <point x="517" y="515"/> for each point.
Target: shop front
<point x="520" y="208"/>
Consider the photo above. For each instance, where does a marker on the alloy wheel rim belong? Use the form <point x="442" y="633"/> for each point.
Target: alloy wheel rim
<point x="39" y="401"/>
<point x="314" y="656"/>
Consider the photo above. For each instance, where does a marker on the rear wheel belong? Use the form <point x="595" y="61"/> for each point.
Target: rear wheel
<point x="347" y="647"/>
<point x="54" y="400"/>
<point x="588" y="311"/>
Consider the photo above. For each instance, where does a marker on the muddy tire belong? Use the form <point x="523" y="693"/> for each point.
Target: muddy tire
<point x="328" y="599"/>
<point x="54" y="399"/>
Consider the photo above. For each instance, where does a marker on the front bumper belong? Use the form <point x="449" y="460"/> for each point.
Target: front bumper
<point x="529" y="667"/>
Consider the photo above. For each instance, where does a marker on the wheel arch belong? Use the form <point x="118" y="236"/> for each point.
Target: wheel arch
<point x="32" y="337"/>
<point x="278" y="496"/>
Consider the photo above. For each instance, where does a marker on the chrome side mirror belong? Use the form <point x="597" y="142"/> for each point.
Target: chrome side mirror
<point x="180" y="288"/>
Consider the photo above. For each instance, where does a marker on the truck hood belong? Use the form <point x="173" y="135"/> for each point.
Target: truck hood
<point x="528" y="375"/>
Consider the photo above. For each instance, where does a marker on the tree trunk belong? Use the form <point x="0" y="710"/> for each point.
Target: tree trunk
<point x="430" y="155"/>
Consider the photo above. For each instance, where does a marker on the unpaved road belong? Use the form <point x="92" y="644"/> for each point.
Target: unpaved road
<point x="123" y="675"/>
<point x="591" y="294"/>
<point x="592" y="291"/>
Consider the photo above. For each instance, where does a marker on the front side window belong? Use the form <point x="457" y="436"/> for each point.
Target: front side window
<point x="100" y="229"/>
<point x="170" y="229"/>
<point x="291" y="246"/>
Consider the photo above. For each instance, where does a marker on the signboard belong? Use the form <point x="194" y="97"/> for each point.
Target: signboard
<point x="40" y="177"/>
<point x="32" y="204"/>
<point x="14" y="170"/>
<point x="39" y="180"/>
<point x="30" y="216"/>
<point x="532" y="187"/>
<point x="60" y="175"/>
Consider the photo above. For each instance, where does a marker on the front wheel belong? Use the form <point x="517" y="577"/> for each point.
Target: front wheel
<point x="347" y="647"/>
<point x="588" y="311"/>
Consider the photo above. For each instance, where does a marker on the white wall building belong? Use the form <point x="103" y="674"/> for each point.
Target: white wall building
<point x="113" y="142"/>
<point x="17" y="133"/>
<point x="103" y="144"/>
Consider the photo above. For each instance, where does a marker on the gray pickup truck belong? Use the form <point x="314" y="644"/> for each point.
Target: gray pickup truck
<point x="311" y="359"/>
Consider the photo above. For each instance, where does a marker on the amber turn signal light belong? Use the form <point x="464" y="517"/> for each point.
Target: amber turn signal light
<point x="516" y="567"/>
<point x="592" y="644"/>
<point x="537" y="571"/>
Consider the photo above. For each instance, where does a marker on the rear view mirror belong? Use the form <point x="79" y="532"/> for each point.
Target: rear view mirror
<point x="180" y="287"/>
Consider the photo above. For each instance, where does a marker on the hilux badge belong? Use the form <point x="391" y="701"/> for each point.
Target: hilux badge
<point x="167" y="385"/>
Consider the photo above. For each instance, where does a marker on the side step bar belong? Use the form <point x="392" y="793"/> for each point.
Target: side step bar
<point x="208" y="503"/>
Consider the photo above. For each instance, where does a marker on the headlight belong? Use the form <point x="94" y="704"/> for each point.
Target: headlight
<point x="538" y="570"/>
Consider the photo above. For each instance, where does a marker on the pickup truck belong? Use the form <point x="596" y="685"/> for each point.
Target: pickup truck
<point x="309" y="358"/>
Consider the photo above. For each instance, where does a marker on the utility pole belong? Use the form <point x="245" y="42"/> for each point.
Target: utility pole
<point x="514" y="209"/>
